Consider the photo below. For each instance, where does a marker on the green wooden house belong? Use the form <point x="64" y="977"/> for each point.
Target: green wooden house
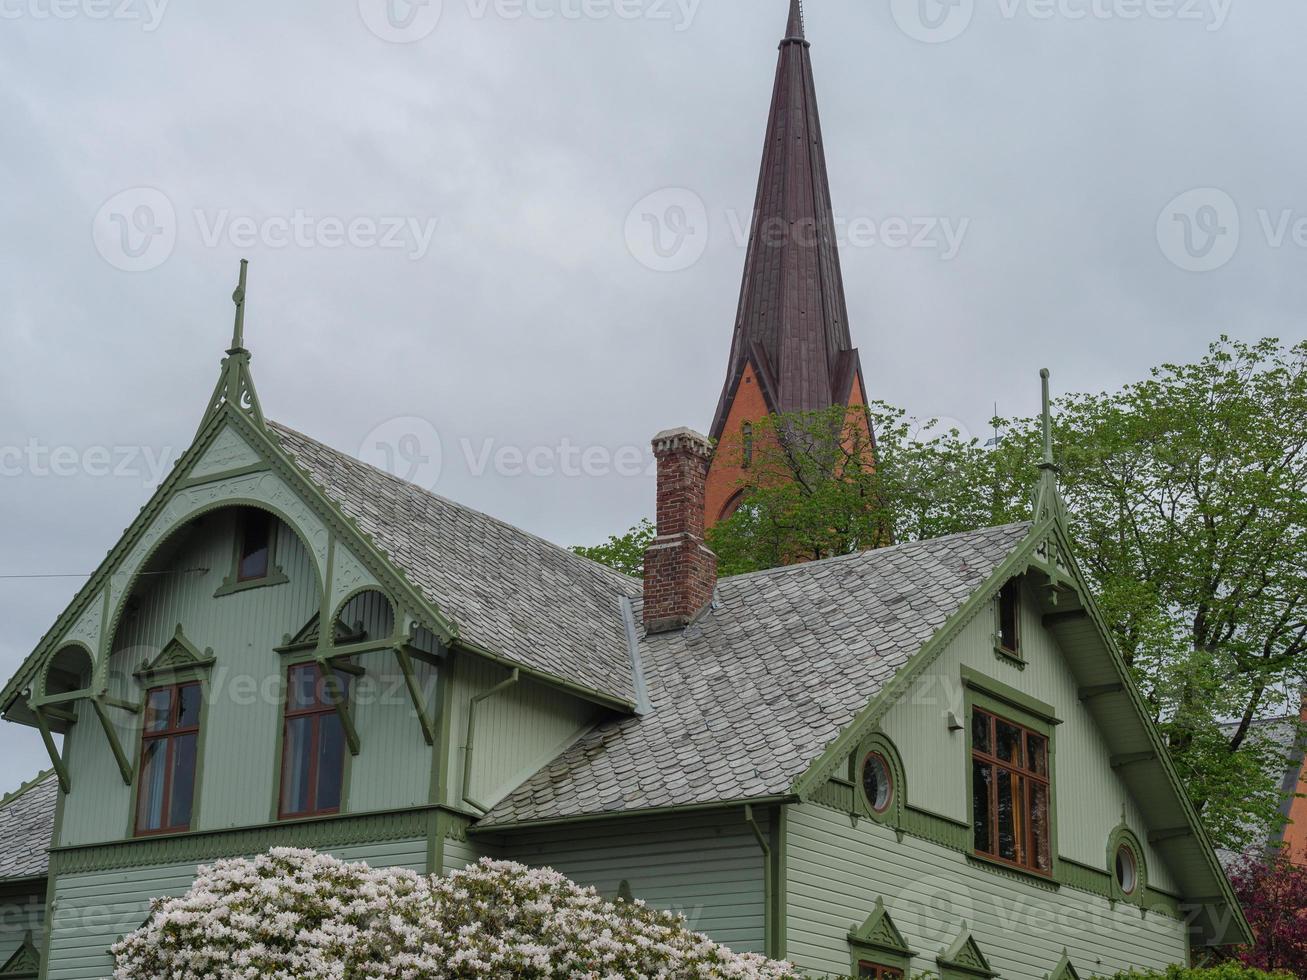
<point x="925" y="758"/>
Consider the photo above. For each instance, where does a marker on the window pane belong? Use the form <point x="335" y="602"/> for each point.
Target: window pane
<point x="1037" y="754"/>
<point x="303" y="687"/>
<point x="1039" y="857"/>
<point x="188" y="708"/>
<point x="980" y="733"/>
<point x="149" y="808"/>
<point x="981" y="780"/>
<point x="296" y="759"/>
<point x="1007" y="815"/>
<point x="183" y="780"/>
<point x="331" y="762"/>
<point x="1009" y="742"/>
<point x="1008" y="605"/>
<point x="158" y="710"/>
<point x="256" y="538"/>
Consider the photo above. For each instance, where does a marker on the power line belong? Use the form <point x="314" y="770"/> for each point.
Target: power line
<point x="178" y="571"/>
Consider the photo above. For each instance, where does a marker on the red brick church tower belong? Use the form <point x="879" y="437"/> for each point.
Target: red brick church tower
<point x="791" y="350"/>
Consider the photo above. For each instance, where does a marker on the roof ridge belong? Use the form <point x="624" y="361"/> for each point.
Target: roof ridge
<point x="355" y="461"/>
<point x="872" y="552"/>
<point x="24" y="788"/>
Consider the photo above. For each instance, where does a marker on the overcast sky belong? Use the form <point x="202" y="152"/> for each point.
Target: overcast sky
<point x="518" y="226"/>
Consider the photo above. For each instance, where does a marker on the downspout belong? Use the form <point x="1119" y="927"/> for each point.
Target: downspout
<point x="768" y="886"/>
<point x="503" y="685"/>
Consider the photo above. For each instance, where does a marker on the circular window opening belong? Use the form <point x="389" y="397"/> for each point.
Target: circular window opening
<point x="877" y="782"/>
<point x="1127" y="870"/>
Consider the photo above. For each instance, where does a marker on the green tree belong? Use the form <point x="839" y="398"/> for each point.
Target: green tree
<point x="1187" y="497"/>
<point x="624" y="552"/>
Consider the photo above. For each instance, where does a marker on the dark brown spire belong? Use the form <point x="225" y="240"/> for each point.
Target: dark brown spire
<point x="792" y="322"/>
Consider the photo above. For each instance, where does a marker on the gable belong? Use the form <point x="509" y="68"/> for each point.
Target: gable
<point x="1101" y="723"/>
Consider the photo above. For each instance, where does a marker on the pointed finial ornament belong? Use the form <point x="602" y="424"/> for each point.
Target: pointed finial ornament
<point x="1048" y="498"/>
<point x="794" y="31"/>
<point x="236" y="384"/>
<point x="238" y="297"/>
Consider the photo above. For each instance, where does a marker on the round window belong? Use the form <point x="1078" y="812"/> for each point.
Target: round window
<point x="877" y="782"/>
<point x="1127" y="870"/>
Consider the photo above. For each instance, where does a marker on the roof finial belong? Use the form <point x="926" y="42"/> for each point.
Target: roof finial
<point x="238" y="297"/>
<point x="1047" y="462"/>
<point x="795" y="29"/>
<point x="1048" y="498"/>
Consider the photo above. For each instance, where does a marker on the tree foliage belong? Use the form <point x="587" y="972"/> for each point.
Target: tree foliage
<point x="624" y="552"/>
<point x="1225" y="971"/>
<point x="1273" y="893"/>
<point x="297" y="915"/>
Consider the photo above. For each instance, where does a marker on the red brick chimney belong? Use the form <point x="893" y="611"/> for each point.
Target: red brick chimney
<point x="680" y="572"/>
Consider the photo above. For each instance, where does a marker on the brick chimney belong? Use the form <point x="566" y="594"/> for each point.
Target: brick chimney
<point x="680" y="572"/>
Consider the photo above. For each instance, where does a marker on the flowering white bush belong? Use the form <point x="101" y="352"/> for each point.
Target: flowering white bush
<point x="302" y="915"/>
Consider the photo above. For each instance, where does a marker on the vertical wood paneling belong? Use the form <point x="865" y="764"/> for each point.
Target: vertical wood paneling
<point x="706" y="867"/>
<point x="517" y="731"/>
<point x="243" y="709"/>
<point x="1090" y="796"/>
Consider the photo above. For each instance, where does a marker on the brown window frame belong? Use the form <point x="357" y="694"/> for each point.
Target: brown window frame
<point x="317" y="711"/>
<point x="243" y="551"/>
<point x="1024" y="776"/>
<point x="172" y="733"/>
<point x="878" y="971"/>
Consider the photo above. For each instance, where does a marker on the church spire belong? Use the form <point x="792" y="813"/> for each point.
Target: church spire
<point x="795" y="30"/>
<point x="791" y="328"/>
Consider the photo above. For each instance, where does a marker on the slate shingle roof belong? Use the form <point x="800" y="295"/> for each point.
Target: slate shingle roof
<point x="749" y="695"/>
<point x="1285" y="751"/>
<point x="27" y="828"/>
<point x="510" y="592"/>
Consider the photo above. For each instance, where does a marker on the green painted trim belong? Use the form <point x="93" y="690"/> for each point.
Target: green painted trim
<point x="1009" y="658"/>
<point x="275" y="576"/>
<point x="993" y="689"/>
<point x="178" y="658"/>
<point x="313" y="832"/>
<point x="115" y="744"/>
<point x="1064" y="970"/>
<point x="585" y="818"/>
<point x="415" y="695"/>
<point x="964" y="959"/>
<point x="60" y="765"/>
<point x="1002" y="701"/>
<point x="25" y="964"/>
<point x="1242" y="928"/>
<point x="552" y="680"/>
<point x="882" y="745"/>
<point x="52" y="881"/>
<point x="900" y="685"/>
<point x="190" y="483"/>
<point x="769" y="918"/>
<point x="780" y="847"/>
<point x="1124" y="837"/>
<point x="201" y="744"/>
<point x="878" y="940"/>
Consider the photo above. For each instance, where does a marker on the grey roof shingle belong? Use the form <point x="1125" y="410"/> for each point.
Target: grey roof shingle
<point x="1279" y="738"/>
<point x="750" y="694"/>
<point x="27" y="828"/>
<point x="530" y="601"/>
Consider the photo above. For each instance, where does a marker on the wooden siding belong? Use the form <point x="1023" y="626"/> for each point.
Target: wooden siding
<point x="19" y="915"/>
<point x="94" y="910"/>
<point x="836" y="872"/>
<point x="1090" y="797"/>
<point x="707" y="867"/>
<point x="460" y="854"/>
<point x="242" y="718"/>
<point x="518" y="730"/>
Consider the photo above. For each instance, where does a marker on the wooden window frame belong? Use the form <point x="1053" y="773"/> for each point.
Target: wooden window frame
<point x="317" y="712"/>
<point x="242" y="542"/>
<point x="1009" y="594"/>
<point x="171" y="734"/>
<point x="879" y="971"/>
<point x="1022" y="772"/>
